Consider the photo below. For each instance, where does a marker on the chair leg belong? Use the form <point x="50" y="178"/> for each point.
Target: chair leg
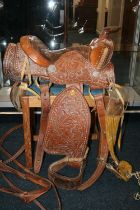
<point x="27" y="130"/>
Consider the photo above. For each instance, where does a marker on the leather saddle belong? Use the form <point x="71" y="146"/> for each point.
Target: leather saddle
<point x="65" y="125"/>
<point x="92" y="60"/>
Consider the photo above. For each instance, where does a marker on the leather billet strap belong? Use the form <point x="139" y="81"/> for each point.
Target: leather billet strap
<point x="45" y="108"/>
<point x="103" y="147"/>
<point x="27" y="196"/>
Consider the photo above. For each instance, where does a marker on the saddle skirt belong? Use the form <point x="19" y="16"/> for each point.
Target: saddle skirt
<point x="68" y="125"/>
<point x="13" y="63"/>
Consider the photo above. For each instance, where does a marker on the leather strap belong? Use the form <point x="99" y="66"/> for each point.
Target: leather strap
<point x="45" y="108"/>
<point x="103" y="147"/>
<point x="63" y="181"/>
<point x="17" y="192"/>
<point x="26" y="175"/>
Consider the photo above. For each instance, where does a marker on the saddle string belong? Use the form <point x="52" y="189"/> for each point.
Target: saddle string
<point x="26" y="68"/>
<point x="113" y="124"/>
<point x="110" y="167"/>
<point x="24" y="85"/>
<point x="36" y="82"/>
<point x="115" y="87"/>
<point x="125" y="105"/>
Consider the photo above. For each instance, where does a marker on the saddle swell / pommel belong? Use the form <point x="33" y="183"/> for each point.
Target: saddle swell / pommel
<point x="102" y="48"/>
<point x="101" y="52"/>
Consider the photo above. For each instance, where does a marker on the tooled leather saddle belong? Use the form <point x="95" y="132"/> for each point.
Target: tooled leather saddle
<point x="65" y="125"/>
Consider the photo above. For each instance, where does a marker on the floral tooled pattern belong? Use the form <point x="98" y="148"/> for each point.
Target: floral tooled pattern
<point x="35" y="69"/>
<point x="13" y="62"/>
<point x="8" y="61"/>
<point x="72" y="67"/>
<point x="101" y="53"/>
<point x="68" y="125"/>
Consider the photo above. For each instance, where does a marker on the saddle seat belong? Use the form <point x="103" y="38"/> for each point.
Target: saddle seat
<point x="82" y="64"/>
<point x="41" y="55"/>
<point x="91" y="64"/>
<point x="98" y="52"/>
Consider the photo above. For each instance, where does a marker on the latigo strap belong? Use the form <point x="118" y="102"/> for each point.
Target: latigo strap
<point x="45" y="108"/>
<point x="103" y="147"/>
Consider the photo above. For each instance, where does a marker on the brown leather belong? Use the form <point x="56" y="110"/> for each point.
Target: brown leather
<point x="45" y="108"/>
<point x="58" y="132"/>
<point x="84" y="64"/>
<point x="67" y="134"/>
<point x="72" y="67"/>
<point x="99" y="50"/>
<point x="15" y="95"/>
<point x="30" y="196"/>
<point x="61" y="137"/>
<point x="13" y="62"/>
<point x="102" y="48"/>
<point x="103" y="147"/>
<point x="76" y="182"/>
<point x="65" y="126"/>
<point x="68" y="127"/>
<point x="101" y="53"/>
<point x="40" y="53"/>
<point x="34" y="50"/>
<point x="65" y="182"/>
<point x="109" y="30"/>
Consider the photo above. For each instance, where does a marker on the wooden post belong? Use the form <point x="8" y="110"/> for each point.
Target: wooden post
<point x="27" y="130"/>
